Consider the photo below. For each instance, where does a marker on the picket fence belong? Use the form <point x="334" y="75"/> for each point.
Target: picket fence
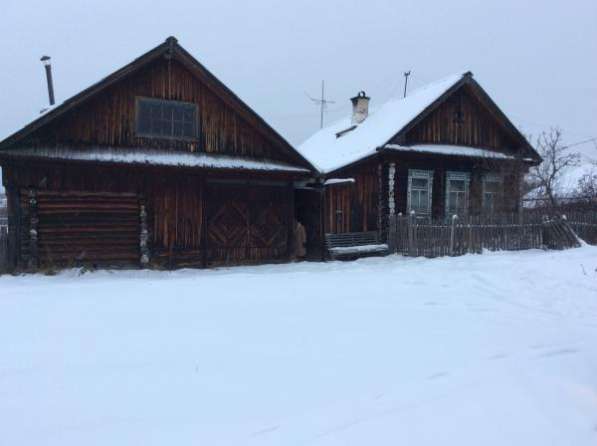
<point x="414" y="236"/>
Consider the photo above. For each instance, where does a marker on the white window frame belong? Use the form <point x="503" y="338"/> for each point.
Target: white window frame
<point x="427" y="175"/>
<point x="492" y="178"/>
<point x="458" y="176"/>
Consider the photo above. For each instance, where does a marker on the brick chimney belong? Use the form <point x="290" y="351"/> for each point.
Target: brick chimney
<point x="360" y="107"/>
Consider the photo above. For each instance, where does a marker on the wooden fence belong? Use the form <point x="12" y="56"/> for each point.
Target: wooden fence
<point x="411" y="236"/>
<point x="584" y="224"/>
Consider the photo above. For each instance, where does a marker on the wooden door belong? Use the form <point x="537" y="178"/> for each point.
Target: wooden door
<point x="247" y="223"/>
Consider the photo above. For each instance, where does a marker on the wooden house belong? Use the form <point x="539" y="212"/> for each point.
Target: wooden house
<point x="157" y="164"/>
<point x="444" y="149"/>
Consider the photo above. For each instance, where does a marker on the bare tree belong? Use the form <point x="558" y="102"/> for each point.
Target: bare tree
<point x="544" y="179"/>
<point x="587" y="184"/>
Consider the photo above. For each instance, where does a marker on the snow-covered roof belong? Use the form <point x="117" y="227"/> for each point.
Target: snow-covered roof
<point x="452" y="150"/>
<point x="153" y="157"/>
<point x="328" y="152"/>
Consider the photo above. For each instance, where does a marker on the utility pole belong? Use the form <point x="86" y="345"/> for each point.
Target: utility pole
<point x="406" y="74"/>
<point x="323" y="102"/>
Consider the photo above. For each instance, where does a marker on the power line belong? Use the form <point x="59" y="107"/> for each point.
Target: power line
<point x="578" y="143"/>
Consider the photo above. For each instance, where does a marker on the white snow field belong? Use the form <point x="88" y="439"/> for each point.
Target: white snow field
<point x="494" y="349"/>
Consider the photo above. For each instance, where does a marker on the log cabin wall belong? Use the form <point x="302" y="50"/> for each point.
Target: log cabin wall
<point x="440" y="166"/>
<point x="461" y="120"/>
<point x="108" y="119"/>
<point x="91" y="215"/>
<point x="353" y="207"/>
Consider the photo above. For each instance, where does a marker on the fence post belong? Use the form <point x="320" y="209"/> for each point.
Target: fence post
<point x="411" y="233"/>
<point x="398" y="233"/>
<point x="452" y="233"/>
<point x="470" y="249"/>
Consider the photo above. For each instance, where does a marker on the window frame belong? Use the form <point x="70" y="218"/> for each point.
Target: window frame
<point x="497" y="196"/>
<point x="457" y="176"/>
<point x="139" y="134"/>
<point x="426" y="175"/>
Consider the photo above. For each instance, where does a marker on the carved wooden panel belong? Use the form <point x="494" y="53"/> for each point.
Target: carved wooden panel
<point x="228" y="224"/>
<point x="247" y="223"/>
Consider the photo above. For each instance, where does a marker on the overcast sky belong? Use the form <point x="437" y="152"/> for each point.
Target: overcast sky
<point x="537" y="58"/>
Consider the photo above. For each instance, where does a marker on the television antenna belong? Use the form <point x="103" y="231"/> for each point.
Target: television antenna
<point x="323" y="102"/>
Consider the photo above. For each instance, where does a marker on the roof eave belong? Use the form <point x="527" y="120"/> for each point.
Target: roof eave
<point x="294" y="173"/>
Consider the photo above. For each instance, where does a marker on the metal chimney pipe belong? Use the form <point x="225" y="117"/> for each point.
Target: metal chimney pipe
<point x="46" y="61"/>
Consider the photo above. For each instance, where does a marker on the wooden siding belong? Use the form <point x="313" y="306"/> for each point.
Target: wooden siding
<point x="175" y="206"/>
<point x="353" y="207"/>
<point x="462" y="120"/>
<point x="193" y="220"/>
<point x="109" y="119"/>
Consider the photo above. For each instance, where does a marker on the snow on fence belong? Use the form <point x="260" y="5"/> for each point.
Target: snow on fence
<point x="412" y="236"/>
<point x="584" y="224"/>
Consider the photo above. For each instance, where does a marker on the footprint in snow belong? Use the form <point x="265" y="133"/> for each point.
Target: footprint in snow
<point x="498" y="356"/>
<point x="267" y="430"/>
<point x="438" y="375"/>
<point x="559" y="352"/>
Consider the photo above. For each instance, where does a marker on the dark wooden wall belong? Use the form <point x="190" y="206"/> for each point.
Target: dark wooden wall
<point x="353" y="207"/>
<point x="440" y="167"/>
<point x="109" y="118"/>
<point x="359" y="202"/>
<point x="193" y="219"/>
<point x="461" y="120"/>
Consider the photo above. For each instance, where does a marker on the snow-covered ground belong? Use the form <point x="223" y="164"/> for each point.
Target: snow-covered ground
<point x="498" y="349"/>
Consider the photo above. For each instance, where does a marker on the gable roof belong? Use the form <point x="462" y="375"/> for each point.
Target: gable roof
<point x="328" y="152"/>
<point x="169" y="48"/>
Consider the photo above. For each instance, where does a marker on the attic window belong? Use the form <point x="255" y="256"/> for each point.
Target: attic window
<point x="158" y="118"/>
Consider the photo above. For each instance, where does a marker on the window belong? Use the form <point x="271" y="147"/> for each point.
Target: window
<point x="158" y="118"/>
<point x="457" y="184"/>
<point x="420" y="184"/>
<point x="492" y="191"/>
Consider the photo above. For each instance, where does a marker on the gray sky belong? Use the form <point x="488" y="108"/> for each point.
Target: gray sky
<point x="536" y="58"/>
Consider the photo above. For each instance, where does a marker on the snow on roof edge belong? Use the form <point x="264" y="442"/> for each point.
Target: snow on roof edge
<point x="452" y="150"/>
<point x="154" y="157"/>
